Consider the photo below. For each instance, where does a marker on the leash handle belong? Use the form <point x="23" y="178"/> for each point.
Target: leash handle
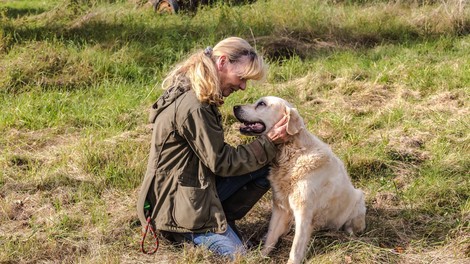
<point x="148" y="227"/>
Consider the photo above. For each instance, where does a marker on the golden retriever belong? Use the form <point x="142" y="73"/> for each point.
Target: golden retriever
<point x="309" y="183"/>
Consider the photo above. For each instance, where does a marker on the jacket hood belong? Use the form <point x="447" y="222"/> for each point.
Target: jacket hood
<point x="168" y="97"/>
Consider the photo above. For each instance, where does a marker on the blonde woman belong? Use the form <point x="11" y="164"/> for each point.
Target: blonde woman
<point x="196" y="185"/>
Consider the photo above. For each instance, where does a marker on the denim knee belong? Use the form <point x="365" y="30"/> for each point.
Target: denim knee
<point x="227" y="244"/>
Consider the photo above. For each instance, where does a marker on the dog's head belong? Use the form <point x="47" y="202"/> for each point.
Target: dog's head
<point x="260" y="117"/>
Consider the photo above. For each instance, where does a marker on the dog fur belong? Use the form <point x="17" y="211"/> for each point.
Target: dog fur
<point x="309" y="183"/>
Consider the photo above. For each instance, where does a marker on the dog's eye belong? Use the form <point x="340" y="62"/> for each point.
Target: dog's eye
<point x="261" y="104"/>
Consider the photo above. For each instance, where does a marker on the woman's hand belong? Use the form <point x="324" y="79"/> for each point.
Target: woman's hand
<point x="278" y="133"/>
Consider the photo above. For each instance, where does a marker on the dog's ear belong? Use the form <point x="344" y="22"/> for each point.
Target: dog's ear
<point x="294" y="121"/>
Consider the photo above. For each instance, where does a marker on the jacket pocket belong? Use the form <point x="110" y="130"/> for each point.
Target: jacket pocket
<point x="192" y="207"/>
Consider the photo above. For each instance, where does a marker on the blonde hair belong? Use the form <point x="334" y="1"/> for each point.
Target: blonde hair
<point x="201" y="71"/>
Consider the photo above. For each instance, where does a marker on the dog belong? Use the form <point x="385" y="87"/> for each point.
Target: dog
<point x="309" y="182"/>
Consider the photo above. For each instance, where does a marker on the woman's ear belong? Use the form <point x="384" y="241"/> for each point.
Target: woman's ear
<point x="294" y="121"/>
<point x="221" y="61"/>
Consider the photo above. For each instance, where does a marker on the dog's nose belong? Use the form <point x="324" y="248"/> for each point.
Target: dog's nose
<point x="235" y="108"/>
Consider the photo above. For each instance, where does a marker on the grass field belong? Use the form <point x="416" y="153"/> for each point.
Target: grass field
<point x="385" y="83"/>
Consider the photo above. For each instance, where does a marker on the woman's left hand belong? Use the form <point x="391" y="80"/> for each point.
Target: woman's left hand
<point x="278" y="133"/>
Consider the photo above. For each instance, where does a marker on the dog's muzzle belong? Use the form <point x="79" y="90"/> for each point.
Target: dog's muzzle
<point x="248" y="127"/>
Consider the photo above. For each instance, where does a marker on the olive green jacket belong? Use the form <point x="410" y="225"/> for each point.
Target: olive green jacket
<point x="187" y="151"/>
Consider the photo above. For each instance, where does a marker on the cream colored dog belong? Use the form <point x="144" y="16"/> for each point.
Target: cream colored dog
<point x="309" y="183"/>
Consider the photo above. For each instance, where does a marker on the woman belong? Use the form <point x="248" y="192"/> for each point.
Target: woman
<point x="196" y="185"/>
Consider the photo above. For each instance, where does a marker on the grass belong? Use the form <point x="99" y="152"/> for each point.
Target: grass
<point x="385" y="83"/>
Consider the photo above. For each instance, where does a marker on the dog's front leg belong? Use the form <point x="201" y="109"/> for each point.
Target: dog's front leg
<point x="278" y="225"/>
<point x="303" y="231"/>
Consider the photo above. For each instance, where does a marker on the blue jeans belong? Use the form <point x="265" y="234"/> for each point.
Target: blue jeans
<point x="226" y="186"/>
<point x="225" y="244"/>
<point x="228" y="243"/>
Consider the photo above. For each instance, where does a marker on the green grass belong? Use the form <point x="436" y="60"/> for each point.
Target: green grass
<point x="385" y="83"/>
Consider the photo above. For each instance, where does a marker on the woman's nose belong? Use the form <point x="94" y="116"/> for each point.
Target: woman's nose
<point x="243" y="85"/>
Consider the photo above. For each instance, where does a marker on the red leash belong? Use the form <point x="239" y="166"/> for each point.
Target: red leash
<point x="144" y="234"/>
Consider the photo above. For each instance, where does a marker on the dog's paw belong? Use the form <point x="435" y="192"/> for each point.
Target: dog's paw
<point x="290" y="261"/>
<point x="349" y="231"/>
<point x="265" y="251"/>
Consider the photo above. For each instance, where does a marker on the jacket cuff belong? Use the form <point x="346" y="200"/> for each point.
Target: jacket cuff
<point x="263" y="149"/>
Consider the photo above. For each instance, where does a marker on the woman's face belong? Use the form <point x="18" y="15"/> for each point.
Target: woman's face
<point x="229" y="74"/>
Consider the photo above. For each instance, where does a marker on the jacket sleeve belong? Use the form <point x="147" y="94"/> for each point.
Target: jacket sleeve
<point x="204" y="133"/>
